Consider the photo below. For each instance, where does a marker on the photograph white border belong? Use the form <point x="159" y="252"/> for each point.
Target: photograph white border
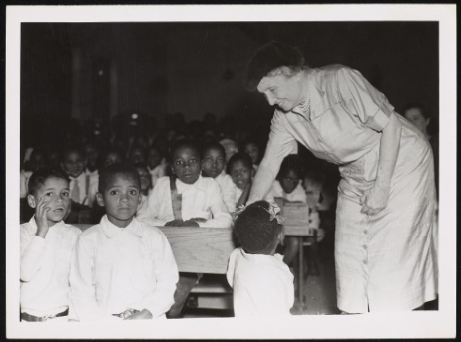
<point x="421" y="324"/>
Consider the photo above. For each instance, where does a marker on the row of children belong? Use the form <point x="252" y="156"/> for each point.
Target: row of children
<point x="185" y="199"/>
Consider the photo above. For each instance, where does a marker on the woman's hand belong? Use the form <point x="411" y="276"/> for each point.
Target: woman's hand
<point x="374" y="199"/>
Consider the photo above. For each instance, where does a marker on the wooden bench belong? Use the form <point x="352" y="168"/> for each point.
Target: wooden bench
<point x="202" y="250"/>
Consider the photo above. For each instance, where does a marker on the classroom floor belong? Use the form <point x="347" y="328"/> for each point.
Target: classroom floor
<point x="319" y="291"/>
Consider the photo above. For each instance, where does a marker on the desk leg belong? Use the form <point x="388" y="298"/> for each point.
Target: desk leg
<point x="301" y="273"/>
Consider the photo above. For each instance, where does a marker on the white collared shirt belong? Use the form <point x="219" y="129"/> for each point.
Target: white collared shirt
<point x="297" y="195"/>
<point x="115" y="269"/>
<point x="45" y="266"/>
<point x="263" y="284"/>
<point x="157" y="172"/>
<point x="202" y="199"/>
<point x="229" y="190"/>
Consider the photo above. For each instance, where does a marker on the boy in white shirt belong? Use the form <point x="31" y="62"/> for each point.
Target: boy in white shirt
<point x="196" y="201"/>
<point x="188" y="200"/>
<point x="262" y="282"/>
<point x="213" y="165"/>
<point x="46" y="244"/>
<point x="122" y="268"/>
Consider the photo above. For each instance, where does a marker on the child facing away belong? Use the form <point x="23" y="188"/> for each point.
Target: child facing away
<point x="262" y="282"/>
<point x="189" y="200"/>
<point x="46" y="246"/>
<point x="122" y="268"/>
<point x="213" y="165"/>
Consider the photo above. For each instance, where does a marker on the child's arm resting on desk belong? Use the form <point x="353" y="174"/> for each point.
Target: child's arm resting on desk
<point x="160" y="300"/>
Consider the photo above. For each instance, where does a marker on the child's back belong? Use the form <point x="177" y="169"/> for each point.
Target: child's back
<point x="262" y="282"/>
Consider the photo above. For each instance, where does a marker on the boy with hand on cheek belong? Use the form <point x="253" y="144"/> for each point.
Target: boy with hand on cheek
<point x="122" y="268"/>
<point x="46" y="248"/>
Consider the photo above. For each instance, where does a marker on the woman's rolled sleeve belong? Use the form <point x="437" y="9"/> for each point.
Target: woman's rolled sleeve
<point x="369" y="104"/>
<point x="281" y="143"/>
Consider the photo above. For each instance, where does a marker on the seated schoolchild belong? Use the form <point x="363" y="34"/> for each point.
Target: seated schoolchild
<point x="187" y="199"/>
<point x="252" y="149"/>
<point x="230" y="146"/>
<point x="73" y="163"/>
<point x="156" y="164"/>
<point x="287" y="187"/>
<point x="46" y="247"/>
<point x="122" y="268"/>
<point x="137" y="155"/>
<point x="213" y="165"/>
<point x="146" y="184"/>
<point x="36" y="161"/>
<point x="262" y="282"/>
<point x="240" y="168"/>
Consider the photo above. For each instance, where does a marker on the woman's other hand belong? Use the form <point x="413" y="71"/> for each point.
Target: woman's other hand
<point x="374" y="200"/>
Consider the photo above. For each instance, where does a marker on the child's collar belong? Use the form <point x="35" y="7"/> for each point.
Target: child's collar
<point x="199" y="185"/>
<point x="110" y="230"/>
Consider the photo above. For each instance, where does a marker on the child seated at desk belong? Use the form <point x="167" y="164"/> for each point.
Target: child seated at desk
<point x="213" y="165"/>
<point x="287" y="187"/>
<point x="262" y="282"/>
<point x="46" y="245"/>
<point x="122" y="268"/>
<point x="187" y="200"/>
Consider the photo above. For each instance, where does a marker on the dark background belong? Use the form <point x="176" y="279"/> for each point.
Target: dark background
<point x="95" y="71"/>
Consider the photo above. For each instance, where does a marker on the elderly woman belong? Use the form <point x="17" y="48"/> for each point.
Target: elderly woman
<point x="384" y="251"/>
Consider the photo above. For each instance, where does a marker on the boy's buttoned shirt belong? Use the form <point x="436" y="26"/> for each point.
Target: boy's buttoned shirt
<point x="45" y="266"/>
<point x="202" y="199"/>
<point x="115" y="269"/>
<point x="82" y="184"/>
<point x="263" y="284"/>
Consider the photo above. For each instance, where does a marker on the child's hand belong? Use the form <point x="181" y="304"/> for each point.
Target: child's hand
<point x="198" y="219"/>
<point x="40" y="217"/>
<point x="143" y="314"/>
<point x="174" y="223"/>
<point x="192" y="223"/>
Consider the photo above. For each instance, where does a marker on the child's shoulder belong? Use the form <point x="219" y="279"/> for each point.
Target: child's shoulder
<point x="91" y="231"/>
<point x="150" y="230"/>
<point x="70" y="229"/>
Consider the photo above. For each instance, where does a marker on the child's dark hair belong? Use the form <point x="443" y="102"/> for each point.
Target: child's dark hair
<point x="71" y="148"/>
<point x="214" y="145"/>
<point x="40" y="176"/>
<point x="242" y="157"/>
<point x="290" y="162"/>
<point x="255" y="233"/>
<point x="182" y="143"/>
<point x="125" y="169"/>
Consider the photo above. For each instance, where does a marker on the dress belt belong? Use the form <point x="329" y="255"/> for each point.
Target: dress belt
<point x="30" y="318"/>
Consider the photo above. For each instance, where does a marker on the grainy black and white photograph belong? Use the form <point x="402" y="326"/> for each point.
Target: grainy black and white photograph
<point x="270" y="172"/>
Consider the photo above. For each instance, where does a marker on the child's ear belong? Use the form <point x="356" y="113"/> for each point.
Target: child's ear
<point x="100" y="199"/>
<point x="31" y="201"/>
<point x="172" y="170"/>
<point x="253" y="172"/>
<point x="281" y="236"/>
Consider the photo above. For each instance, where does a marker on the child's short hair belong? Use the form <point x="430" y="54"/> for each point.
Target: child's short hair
<point x="181" y="143"/>
<point x="214" y="145"/>
<point x="108" y="172"/>
<point x="239" y="157"/>
<point x="255" y="232"/>
<point x="291" y="162"/>
<point x="72" y="148"/>
<point x="40" y="176"/>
